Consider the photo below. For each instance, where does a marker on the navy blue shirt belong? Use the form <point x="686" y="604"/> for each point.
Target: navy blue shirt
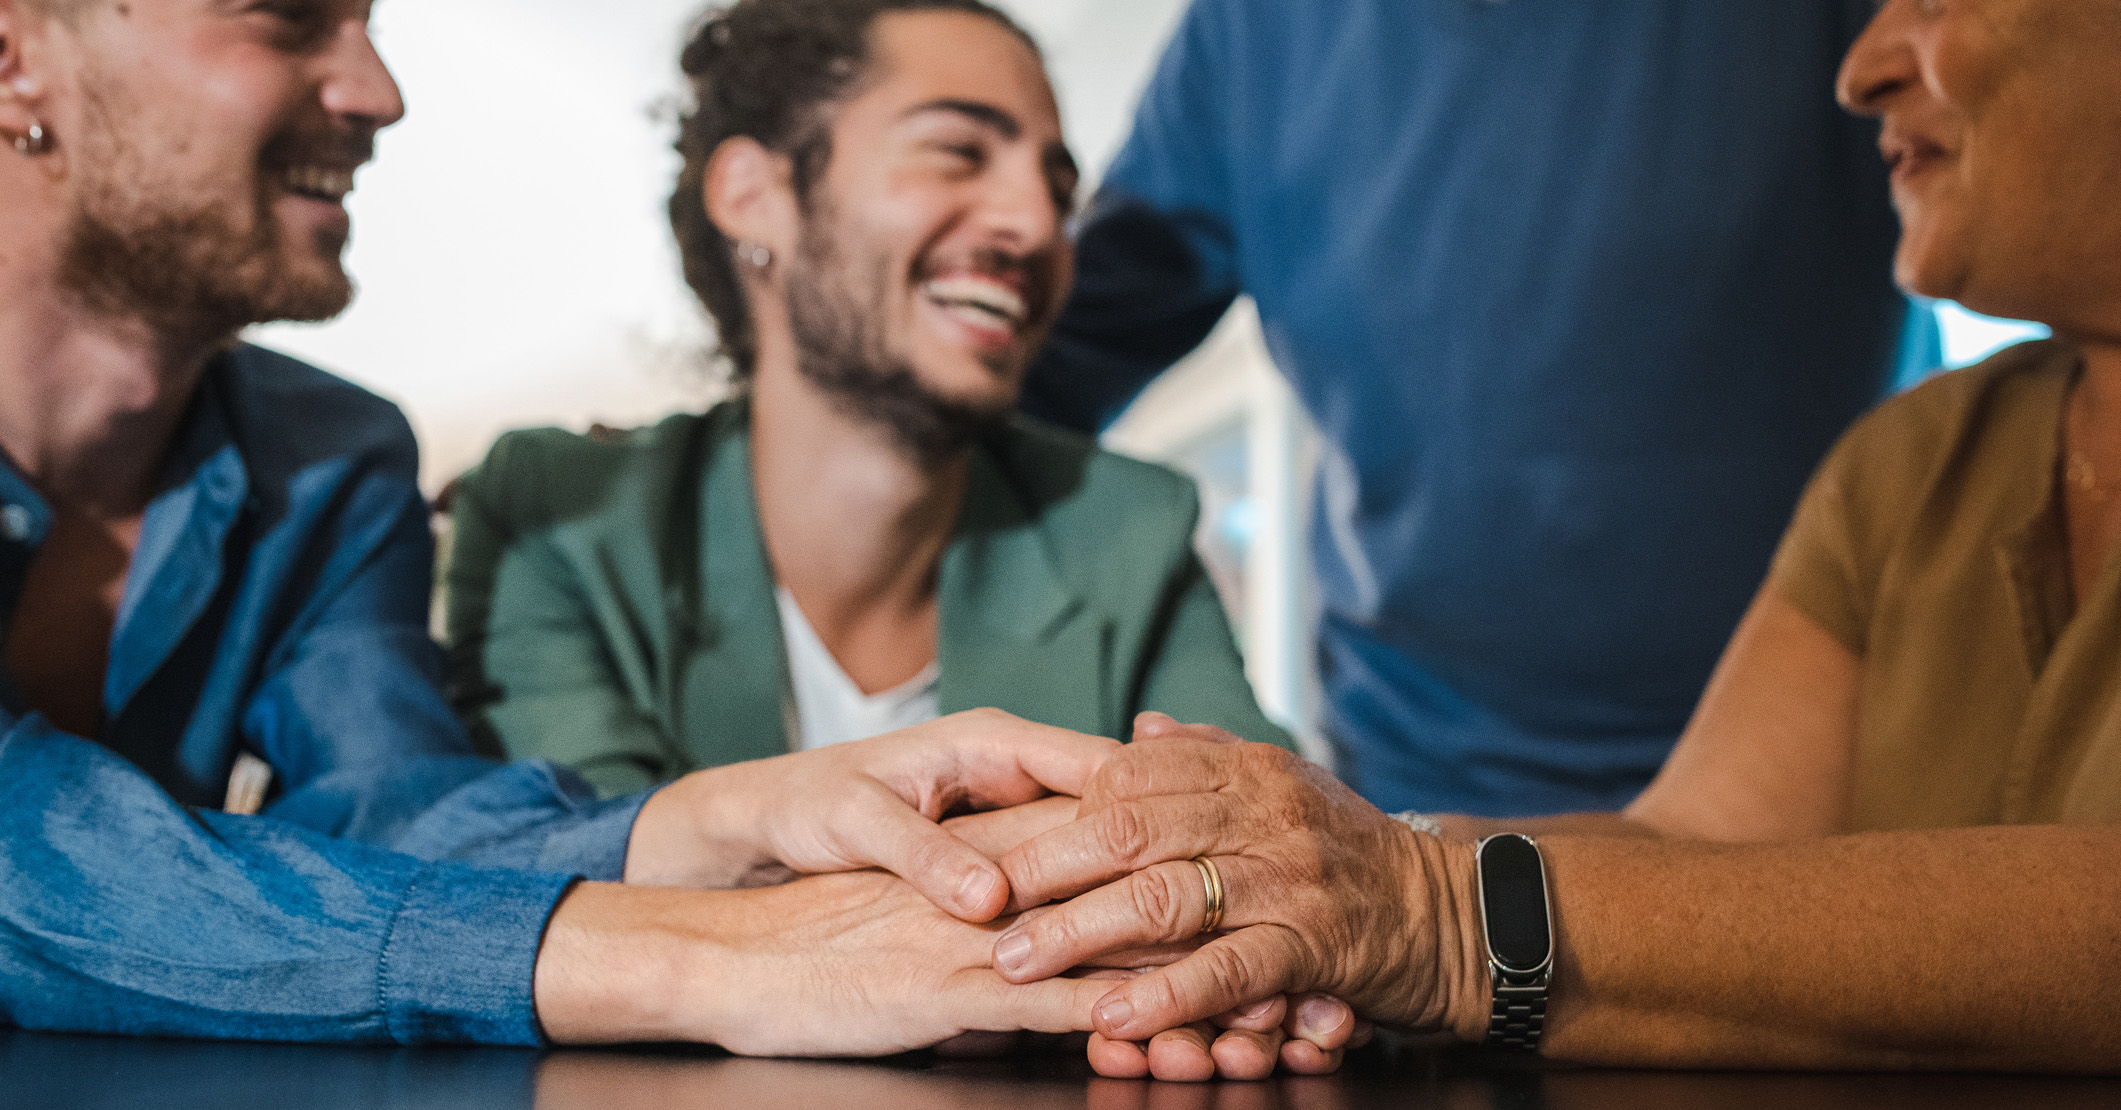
<point x="397" y="887"/>
<point x="1578" y="294"/>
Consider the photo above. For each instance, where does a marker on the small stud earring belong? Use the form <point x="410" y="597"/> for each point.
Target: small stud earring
<point x="36" y="141"/>
<point x="757" y="255"/>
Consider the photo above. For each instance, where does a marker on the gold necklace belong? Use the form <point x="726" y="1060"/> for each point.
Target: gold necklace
<point x="2079" y="473"/>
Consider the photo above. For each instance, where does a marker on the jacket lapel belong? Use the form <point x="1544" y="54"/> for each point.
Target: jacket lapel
<point x="1015" y="635"/>
<point x="735" y="675"/>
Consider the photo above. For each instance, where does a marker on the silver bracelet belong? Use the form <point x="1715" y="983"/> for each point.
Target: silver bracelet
<point x="1419" y="822"/>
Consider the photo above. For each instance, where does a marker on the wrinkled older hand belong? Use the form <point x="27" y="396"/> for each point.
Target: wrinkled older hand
<point x="873" y="803"/>
<point x="1306" y="1035"/>
<point x="1323" y="892"/>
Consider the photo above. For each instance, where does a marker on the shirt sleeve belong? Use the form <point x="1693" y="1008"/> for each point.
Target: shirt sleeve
<point x="528" y="661"/>
<point x="351" y="715"/>
<point x="1156" y="258"/>
<point x="122" y="912"/>
<point x="1833" y="557"/>
<point x="1817" y="568"/>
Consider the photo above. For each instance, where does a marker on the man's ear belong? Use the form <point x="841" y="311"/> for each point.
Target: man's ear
<point x="22" y="89"/>
<point x="750" y="195"/>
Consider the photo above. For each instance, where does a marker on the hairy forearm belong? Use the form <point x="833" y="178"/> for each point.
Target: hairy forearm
<point x="1989" y="949"/>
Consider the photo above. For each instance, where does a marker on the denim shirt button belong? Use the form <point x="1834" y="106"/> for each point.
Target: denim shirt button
<point x="16" y="523"/>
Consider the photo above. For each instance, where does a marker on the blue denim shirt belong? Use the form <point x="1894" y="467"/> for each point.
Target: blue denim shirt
<point x="397" y="886"/>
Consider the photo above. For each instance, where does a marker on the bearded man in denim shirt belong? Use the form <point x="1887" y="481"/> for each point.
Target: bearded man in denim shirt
<point x="211" y="555"/>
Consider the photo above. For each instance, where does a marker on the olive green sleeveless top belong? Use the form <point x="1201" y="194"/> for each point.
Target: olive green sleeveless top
<point x="1932" y="545"/>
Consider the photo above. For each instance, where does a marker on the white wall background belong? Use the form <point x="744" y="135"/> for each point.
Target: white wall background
<point x="514" y="261"/>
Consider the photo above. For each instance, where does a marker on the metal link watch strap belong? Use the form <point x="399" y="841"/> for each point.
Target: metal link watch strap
<point x="1517" y="926"/>
<point x="1520" y="1013"/>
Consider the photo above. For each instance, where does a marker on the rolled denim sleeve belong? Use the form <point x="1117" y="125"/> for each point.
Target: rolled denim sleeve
<point x="531" y="816"/>
<point x="398" y="886"/>
<point x="123" y="912"/>
<point x="352" y="717"/>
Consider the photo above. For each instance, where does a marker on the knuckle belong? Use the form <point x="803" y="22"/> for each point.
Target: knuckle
<point x="932" y="854"/>
<point x="1025" y="871"/>
<point x="1122" y="834"/>
<point x="1157" y="993"/>
<point x="1158" y="902"/>
<point x="1230" y="970"/>
<point x="1215" y="734"/>
<point x="1289" y="960"/>
<point x="1122" y="776"/>
<point x="1259" y="768"/>
<point x="1265" y="760"/>
<point x="1058" y="931"/>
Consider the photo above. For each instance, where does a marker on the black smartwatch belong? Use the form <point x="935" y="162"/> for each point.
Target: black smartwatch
<point x="1519" y="931"/>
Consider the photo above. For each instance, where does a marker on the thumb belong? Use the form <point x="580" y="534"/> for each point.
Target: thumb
<point x="946" y="870"/>
<point x="1152" y="725"/>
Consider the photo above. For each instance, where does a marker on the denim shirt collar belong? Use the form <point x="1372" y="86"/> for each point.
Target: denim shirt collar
<point x="176" y="568"/>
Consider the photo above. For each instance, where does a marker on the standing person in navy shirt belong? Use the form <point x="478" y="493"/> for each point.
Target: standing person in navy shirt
<point x="1578" y="295"/>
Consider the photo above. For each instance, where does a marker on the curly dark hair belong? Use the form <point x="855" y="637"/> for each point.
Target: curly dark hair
<point x="769" y="70"/>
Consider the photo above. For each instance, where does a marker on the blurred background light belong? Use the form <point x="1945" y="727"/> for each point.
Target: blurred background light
<point x="514" y="260"/>
<point x="1970" y="337"/>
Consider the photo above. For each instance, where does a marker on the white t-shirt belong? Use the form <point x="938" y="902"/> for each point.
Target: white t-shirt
<point x="827" y="708"/>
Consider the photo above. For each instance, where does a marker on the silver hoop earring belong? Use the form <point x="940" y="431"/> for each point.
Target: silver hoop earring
<point x="33" y="143"/>
<point x="756" y="255"/>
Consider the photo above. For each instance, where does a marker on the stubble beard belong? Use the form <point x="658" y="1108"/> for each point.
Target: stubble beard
<point x="194" y="266"/>
<point x="841" y="347"/>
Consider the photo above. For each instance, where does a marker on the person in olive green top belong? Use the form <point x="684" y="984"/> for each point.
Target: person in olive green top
<point x="1891" y="836"/>
<point x="868" y="537"/>
<point x="1958" y="544"/>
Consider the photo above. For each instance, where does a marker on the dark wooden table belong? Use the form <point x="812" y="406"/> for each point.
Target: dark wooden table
<point x="42" y="1071"/>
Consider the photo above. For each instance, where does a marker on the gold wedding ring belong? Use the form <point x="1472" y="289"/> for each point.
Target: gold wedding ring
<point x="1212" y="877"/>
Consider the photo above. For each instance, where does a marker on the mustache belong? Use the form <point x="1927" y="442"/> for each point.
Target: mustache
<point x="337" y="150"/>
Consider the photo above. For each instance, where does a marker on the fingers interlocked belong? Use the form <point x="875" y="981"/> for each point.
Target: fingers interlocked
<point x="1188" y="835"/>
<point x="1165" y="904"/>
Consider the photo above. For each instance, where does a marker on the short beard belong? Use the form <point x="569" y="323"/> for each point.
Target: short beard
<point x="182" y="263"/>
<point x="840" y="348"/>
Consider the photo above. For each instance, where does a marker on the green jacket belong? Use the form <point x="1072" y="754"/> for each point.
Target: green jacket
<point x="610" y="604"/>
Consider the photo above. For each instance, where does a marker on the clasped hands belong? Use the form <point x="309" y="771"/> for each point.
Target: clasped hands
<point x="1035" y="911"/>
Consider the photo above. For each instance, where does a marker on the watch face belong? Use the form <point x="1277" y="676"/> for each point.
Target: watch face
<point x="1513" y="899"/>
